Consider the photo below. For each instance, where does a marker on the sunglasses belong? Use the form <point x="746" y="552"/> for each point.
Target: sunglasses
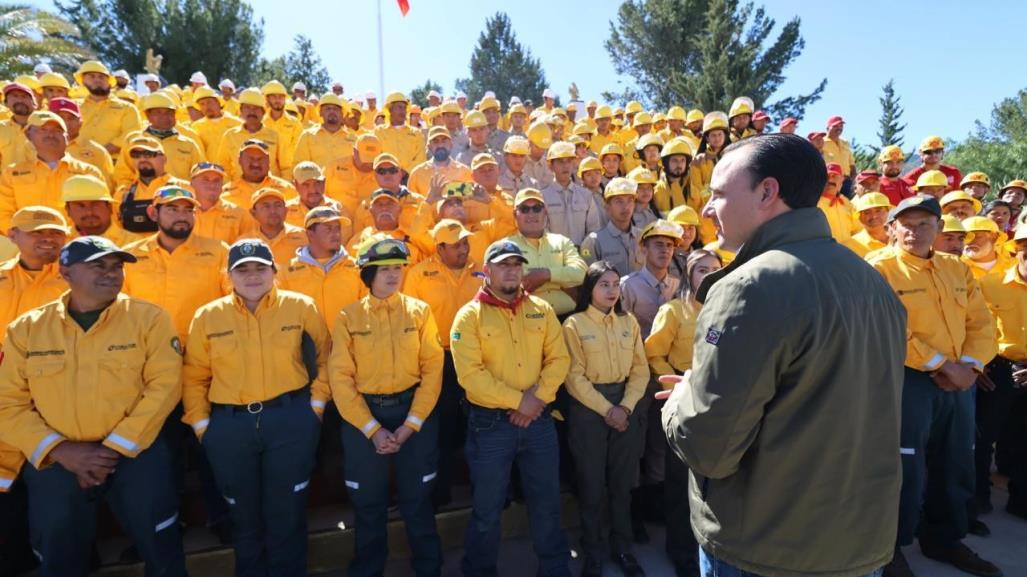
<point x="528" y="209"/>
<point x="390" y="170"/>
<point x="934" y="151"/>
<point x="143" y="154"/>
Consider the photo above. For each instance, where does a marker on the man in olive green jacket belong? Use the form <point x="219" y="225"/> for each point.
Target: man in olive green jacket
<point x="789" y="420"/>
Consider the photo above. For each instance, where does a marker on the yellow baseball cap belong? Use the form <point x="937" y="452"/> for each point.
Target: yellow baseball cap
<point x="201" y="167"/>
<point x="85" y="187"/>
<point x="265" y="193"/>
<point x="384" y="158"/>
<point x="146" y="143"/>
<point x="41" y="118"/>
<point x="368" y="146"/>
<point x="437" y="131"/>
<point x="307" y="170"/>
<point x="255" y="144"/>
<point x="526" y="194"/>
<point x="33" y="218"/>
<point x="322" y="214"/>
<point x="482" y="159"/>
<point x="449" y="231"/>
<point x="169" y="194"/>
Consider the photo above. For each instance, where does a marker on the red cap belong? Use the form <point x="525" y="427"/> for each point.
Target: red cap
<point x="18" y="86"/>
<point x="865" y="175"/>
<point x="834" y="168"/>
<point x="835" y="120"/>
<point x="61" y="104"/>
<point x="788" y="122"/>
<point x="761" y="115"/>
<point x="815" y="134"/>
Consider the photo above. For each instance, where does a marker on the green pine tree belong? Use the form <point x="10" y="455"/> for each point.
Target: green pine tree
<point x="419" y="95"/>
<point x="891" y="114"/>
<point x="500" y="64"/>
<point x="999" y="149"/>
<point x="28" y="35"/>
<point x="303" y="64"/>
<point x="704" y="53"/>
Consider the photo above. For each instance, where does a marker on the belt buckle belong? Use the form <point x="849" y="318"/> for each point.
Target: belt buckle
<point x="255" y="407"/>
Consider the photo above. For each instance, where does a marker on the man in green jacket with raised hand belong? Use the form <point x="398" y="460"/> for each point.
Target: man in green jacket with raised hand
<point x="789" y="418"/>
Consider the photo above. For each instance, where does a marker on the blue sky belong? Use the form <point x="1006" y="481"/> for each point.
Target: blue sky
<point x="951" y="60"/>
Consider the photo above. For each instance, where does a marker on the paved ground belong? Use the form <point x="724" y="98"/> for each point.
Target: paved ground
<point x="1005" y="547"/>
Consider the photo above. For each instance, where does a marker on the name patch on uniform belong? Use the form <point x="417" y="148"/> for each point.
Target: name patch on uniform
<point x="221" y="334"/>
<point x="431" y="273"/>
<point x="910" y="291"/>
<point x="204" y="253"/>
<point x="291" y="328"/>
<point x="127" y="347"/>
<point x="535" y="316"/>
<point x="50" y="353"/>
<point x="713" y="336"/>
<point x="587" y="337"/>
<point x="359" y="333"/>
<point x="410" y="330"/>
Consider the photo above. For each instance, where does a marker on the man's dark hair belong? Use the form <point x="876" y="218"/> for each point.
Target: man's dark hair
<point x="796" y="164"/>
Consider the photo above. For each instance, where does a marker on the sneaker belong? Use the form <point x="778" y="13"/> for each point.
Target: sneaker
<point x="628" y="565"/>
<point x="898" y="567"/>
<point x="978" y="528"/>
<point x="961" y="557"/>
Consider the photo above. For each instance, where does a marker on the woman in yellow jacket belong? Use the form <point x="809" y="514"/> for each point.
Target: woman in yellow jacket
<point x="669" y="350"/>
<point x="254" y="388"/>
<point x="386" y="375"/>
<point x="607" y="378"/>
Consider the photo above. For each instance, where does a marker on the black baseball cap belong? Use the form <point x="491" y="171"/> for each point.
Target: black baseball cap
<point x="249" y="250"/>
<point x="918" y="202"/>
<point x="90" y="248"/>
<point x="502" y="250"/>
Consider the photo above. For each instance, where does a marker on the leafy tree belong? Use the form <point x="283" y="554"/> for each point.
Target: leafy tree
<point x="500" y="64"/>
<point x="219" y="37"/>
<point x="28" y="35"/>
<point x="419" y="95"/>
<point x="704" y="53"/>
<point x="891" y="114"/>
<point x="998" y="149"/>
<point x="267" y="70"/>
<point x="303" y="64"/>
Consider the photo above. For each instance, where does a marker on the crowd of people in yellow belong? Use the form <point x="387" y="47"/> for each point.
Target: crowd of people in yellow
<point x="468" y="280"/>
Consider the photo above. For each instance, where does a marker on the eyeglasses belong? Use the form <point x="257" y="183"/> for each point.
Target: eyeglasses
<point x="532" y="208"/>
<point x="390" y="170"/>
<point x="144" y="154"/>
<point x="934" y="151"/>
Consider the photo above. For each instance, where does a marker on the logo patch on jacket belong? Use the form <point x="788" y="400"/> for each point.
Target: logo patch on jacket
<point x="713" y="336"/>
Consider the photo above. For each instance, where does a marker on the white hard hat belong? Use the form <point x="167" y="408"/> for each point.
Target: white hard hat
<point x="121" y="74"/>
<point x="198" y="78"/>
<point x="460" y="94"/>
<point x="42" y="68"/>
<point x="434" y="94"/>
<point x="299" y="86"/>
<point x="226" y="83"/>
<point x="370" y="96"/>
<point x="548" y="93"/>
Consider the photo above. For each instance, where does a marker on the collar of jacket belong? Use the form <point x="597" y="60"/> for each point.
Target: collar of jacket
<point x="797" y="225"/>
<point x="162" y="134"/>
<point x="390" y="302"/>
<point x="485" y="296"/>
<point x="304" y="256"/>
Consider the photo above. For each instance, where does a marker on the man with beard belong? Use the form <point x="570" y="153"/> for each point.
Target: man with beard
<point x="932" y="151"/>
<point x="38" y="181"/>
<point x="14" y="147"/>
<point x="309" y="180"/>
<point x="442" y="162"/>
<point x="984" y="253"/>
<point x="890" y="162"/>
<point x="106" y="120"/>
<point x="181" y="150"/>
<point x="287" y="127"/>
<point x="147" y="157"/>
<point x="216" y="118"/>
<point x="89" y="205"/>
<point x="174" y="268"/>
<point x="673" y="189"/>
<point x="330" y="142"/>
<point x="251" y="106"/>
<point x="84" y="150"/>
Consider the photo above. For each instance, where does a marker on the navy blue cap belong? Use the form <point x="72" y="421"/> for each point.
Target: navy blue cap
<point x="90" y="248"/>
<point x="502" y="250"/>
<point x="249" y="250"/>
<point x="917" y="202"/>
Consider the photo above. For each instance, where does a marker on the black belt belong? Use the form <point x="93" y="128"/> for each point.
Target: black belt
<point x="393" y="399"/>
<point x="258" y="406"/>
<point x="610" y="387"/>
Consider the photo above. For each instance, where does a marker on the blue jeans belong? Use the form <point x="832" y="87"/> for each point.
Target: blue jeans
<point x="710" y="566"/>
<point x="493" y="445"/>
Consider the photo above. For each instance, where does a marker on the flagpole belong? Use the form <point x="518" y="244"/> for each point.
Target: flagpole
<point x="381" y="55"/>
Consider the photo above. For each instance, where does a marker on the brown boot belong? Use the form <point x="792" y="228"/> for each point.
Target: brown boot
<point x="961" y="557"/>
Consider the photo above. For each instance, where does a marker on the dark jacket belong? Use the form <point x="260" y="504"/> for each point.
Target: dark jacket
<point x="790" y="422"/>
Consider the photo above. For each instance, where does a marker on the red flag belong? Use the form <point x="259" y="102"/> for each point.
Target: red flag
<point x="404" y="6"/>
